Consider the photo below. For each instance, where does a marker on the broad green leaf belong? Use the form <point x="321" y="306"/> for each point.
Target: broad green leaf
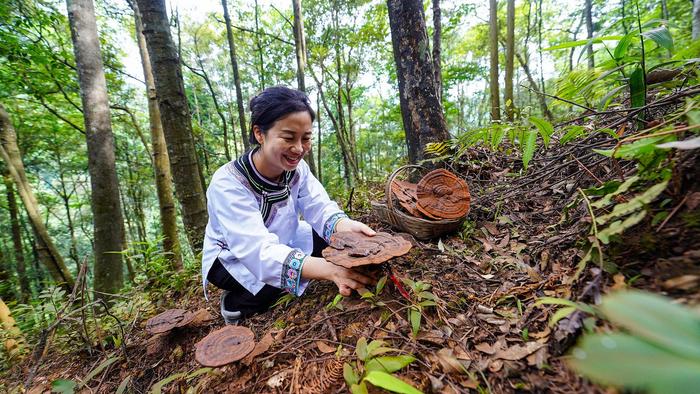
<point x="619" y="226"/>
<point x="350" y="375"/>
<point x="158" y="387"/>
<point x="427" y="295"/>
<point x="497" y="134"/>
<point x="380" y="350"/>
<point x="605" y="101"/>
<point x="634" y="204"/>
<point x="657" y="320"/>
<point x="693" y="119"/>
<point x="620" y="189"/>
<point x="389" y="363"/>
<point x="546" y="129"/>
<point x="624" y="360"/>
<point x="63" y="386"/>
<point x="636" y="149"/>
<point x="578" y="43"/>
<point x="573" y="132"/>
<point x="623" y="45"/>
<point x="638" y="88"/>
<point x="375" y="344"/>
<point x="560" y="314"/>
<point x="661" y="36"/>
<point x="555" y="301"/>
<point x="529" y="146"/>
<point x="414" y="316"/>
<point x="391" y="383"/>
<point x="427" y="303"/>
<point x="358" y="388"/>
<point x="361" y="348"/>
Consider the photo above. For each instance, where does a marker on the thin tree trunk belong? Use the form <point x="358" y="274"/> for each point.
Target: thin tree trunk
<point x="47" y="251"/>
<point x="437" y="32"/>
<point x="176" y="120"/>
<point x="161" y="162"/>
<point x="510" y="56"/>
<point x="106" y="207"/>
<point x="588" y="14"/>
<point x="493" y="75"/>
<point x="259" y="47"/>
<point x="319" y="144"/>
<point x="533" y="85"/>
<point x="236" y="77"/>
<point x="300" y="50"/>
<point x="25" y="289"/>
<point x="696" y="19"/>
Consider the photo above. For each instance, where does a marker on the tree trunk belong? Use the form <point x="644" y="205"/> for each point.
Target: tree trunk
<point x="533" y="85"/>
<point x="47" y="251"/>
<point x="176" y="119"/>
<point x="510" y="56"/>
<point x="696" y="19"/>
<point x="14" y="341"/>
<point x="161" y="162"/>
<point x="588" y="14"/>
<point x="25" y="289"/>
<point x="236" y="77"/>
<point x="421" y="109"/>
<point x="493" y="75"/>
<point x="300" y="49"/>
<point x="437" y="32"/>
<point x="106" y="207"/>
<point x="319" y="144"/>
<point x="259" y="47"/>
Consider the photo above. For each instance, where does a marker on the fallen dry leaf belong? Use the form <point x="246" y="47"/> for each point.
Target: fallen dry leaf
<point x="495" y="365"/>
<point x="260" y="348"/>
<point x="683" y="282"/>
<point x="619" y="280"/>
<point x="277" y="379"/>
<point x="491" y="228"/>
<point x="539" y="357"/>
<point x="434" y="336"/>
<point x="450" y="363"/>
<point x="324" y="347"/>
<point x="517" y="352"/>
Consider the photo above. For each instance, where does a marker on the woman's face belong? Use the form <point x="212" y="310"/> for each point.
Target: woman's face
<point x="284" y="144"/>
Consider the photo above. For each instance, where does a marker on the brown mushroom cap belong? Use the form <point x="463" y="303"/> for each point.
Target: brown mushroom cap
<point x="168" y="320"/>
<point x="224" y="346"/>
<point x="442" y="195"/>
<point x="351" y="249"/>
<point x="405" y="192"/>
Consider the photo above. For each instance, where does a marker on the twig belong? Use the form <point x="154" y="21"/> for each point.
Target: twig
<point x="588" y="171"/>
<point x="673" y="212"/>
<point x="561" y="99"/>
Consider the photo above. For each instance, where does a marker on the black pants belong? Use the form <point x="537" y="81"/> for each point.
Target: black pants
<point x="240" y="299"/>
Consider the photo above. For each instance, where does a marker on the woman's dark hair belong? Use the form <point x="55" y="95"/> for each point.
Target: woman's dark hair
<point x="273" y="104"/>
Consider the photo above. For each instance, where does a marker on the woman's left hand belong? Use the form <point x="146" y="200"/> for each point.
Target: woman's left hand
<point x="347" y="224"/>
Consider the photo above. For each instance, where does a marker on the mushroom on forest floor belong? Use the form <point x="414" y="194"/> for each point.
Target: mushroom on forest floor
<point x="224" y="346"/>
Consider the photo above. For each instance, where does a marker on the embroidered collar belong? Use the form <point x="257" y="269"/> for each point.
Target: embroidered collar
<point x="259" y="183"/>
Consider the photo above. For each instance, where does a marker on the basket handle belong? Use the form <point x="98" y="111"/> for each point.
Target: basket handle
<point x="388" y="193"/>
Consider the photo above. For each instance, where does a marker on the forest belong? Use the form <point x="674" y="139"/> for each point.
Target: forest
<point x="575" y="125"/>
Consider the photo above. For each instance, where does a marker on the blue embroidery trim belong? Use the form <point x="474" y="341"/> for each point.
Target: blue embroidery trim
<point x="291" y="271"/>
<point x="329" y="227"/>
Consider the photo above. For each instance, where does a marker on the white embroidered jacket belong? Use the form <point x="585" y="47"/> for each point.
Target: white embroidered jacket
<point x="254" y="227"/>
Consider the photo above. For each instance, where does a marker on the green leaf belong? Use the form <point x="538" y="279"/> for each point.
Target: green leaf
<point x="374" y="345"/>
<point x="657" y="320"/>
<point x="638" y="88"/>
<point x="634" y="204"/>
<point x="359" y="388"/>
<point x="427" y="303"/>
<point x="555" y="301"/>
<point x="623" y="45"/>
<point x="389" y="363"/>
<point x="636" y="149"/>
<point x="624" y="360"/>
<point x="622" y="188"/>
<point x="497" y="134"/>
<point x="99" y="369"/>
<point x="546" y="129"/>
<point x="123" y="385"/>
<point x="158" y="387"/>
<point x="605" y="101"/>
<point x="380" y="285"/>
<point x="661" y="36"/>
<point x="573" y="132"/>
<point x="529" y="147"/>
<point x="63" y="386"/>
<point x="414" y="316"/>
<point x="351" y="377"/>
<point x="361" y="348"/>
<point x="391" y="383"/>
<point x="578" y="43"/>
<point x="560" y="314"/>
<point x="618" y="227"/>
<point x="427" y="295"/>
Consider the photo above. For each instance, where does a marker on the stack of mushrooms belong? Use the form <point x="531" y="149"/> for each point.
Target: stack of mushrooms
<point x="350" y="249"/>
<point x="439" y="195"/>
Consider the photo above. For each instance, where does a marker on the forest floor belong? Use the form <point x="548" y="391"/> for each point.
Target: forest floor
<point x="487" y="334"/>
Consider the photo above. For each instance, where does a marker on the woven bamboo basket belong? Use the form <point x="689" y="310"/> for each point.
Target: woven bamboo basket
<point x="422" y="229"/>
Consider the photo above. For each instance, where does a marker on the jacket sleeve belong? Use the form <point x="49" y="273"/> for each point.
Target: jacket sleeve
<point x="245" y="236"/>
<point x="315" y="205"/>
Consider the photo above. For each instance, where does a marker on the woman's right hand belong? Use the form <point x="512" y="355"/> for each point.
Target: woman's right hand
<point x="346" y="279"/>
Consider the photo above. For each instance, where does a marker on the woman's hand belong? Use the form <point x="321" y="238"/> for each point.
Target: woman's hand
<point x="347" y="224"/>
<point x="346" y="279"/>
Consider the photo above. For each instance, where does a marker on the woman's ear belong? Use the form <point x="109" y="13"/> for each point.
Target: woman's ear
<point x="259" y="136"/>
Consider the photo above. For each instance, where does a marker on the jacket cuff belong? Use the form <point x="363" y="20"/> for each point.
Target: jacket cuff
<point x="329" y="227"/>
<point x="291" y="272"/>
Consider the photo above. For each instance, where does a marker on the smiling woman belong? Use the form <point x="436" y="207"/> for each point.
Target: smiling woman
<point x="256" y="247"/>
